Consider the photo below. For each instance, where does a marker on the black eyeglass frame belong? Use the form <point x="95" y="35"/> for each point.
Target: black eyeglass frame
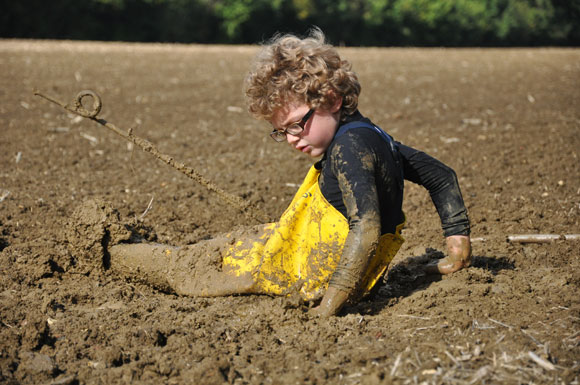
<point x="295" y="128"/>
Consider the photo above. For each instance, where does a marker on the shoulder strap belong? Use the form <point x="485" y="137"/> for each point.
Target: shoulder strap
<point x="345" y="127"/>
<point x="386" y="137"/>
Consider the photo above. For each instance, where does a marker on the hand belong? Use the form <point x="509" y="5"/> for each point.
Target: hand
<point x="331" y="303"/>
<point x="316" y="312"/>
<point x="458" y="256"/>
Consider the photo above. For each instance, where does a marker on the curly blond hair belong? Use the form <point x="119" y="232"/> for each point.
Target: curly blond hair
<point x="289" y="69"/>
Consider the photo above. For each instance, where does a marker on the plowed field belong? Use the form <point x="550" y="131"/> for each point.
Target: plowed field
<point x="507" y="121"/>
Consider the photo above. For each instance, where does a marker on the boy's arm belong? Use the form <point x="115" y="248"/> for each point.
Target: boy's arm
<point x="441" y="182"/>
<point x="357" y="183"/>
<point x="361" y="244"/>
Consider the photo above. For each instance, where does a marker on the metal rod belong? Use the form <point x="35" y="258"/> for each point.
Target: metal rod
<point x="77" y="108"/>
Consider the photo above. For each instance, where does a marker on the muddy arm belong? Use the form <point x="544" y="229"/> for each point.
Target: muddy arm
<point x="359" y="249"/>
<point x="443" y="186"/>
<point x="356" y="177"/>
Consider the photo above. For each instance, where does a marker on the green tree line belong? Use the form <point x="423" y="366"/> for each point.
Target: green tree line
<point x="347" y="22"/>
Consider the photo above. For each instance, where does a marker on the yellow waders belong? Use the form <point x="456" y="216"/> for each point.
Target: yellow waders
<point x="302" y="250"/>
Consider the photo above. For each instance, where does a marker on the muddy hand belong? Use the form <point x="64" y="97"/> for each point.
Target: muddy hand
<point x="458" y="256"/>
<point x="331" y="303"/>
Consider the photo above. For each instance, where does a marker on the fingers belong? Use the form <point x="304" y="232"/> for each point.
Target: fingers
<point x="458" y="256"/>
<point x="459" y="251"/>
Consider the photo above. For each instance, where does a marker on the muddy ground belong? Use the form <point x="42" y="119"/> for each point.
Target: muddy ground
<point x="507" y="120"/>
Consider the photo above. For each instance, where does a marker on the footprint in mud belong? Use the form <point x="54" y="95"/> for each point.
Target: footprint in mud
<point x="94" y="227"/>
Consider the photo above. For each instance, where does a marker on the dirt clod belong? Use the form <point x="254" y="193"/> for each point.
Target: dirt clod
<point x="92" y="228"/>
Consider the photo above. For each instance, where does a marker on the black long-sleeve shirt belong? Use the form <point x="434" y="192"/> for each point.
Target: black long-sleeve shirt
<point x="361" y="177"/>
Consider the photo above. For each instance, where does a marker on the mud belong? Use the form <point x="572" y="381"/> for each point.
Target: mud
<point x="91" y="230"/>
<point x="195" y="270"/>
<point x="506" y="120"/>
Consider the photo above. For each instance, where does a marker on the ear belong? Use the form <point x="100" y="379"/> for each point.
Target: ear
<point x="336" y="104"/>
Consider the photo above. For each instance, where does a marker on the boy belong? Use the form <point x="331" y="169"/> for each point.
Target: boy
<point x="343" y="227"/>
<point x="361" y="170"/>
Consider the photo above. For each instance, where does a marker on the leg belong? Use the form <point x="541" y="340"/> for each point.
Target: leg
<point x="193" y="270"/>
<point x="95" y="237"/>
<point x="213" y="284"/>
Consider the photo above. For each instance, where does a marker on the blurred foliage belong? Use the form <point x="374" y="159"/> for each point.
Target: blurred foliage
<point x="347" y="22"/>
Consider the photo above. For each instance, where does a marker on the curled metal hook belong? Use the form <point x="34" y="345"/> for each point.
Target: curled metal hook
<point x="77" y="104"/>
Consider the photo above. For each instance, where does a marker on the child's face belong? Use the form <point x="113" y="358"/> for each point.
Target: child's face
<point x="318" y="130"/>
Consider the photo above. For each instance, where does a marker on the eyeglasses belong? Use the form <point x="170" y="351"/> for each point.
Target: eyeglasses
<point x="292" y="129"/>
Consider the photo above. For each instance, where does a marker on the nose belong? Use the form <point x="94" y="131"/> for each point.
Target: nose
<point x="292" y="139"/>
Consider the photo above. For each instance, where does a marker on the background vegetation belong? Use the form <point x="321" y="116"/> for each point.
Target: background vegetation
<point x="348" y="22"/>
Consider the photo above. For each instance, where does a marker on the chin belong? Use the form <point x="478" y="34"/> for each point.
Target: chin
<point x="315" y="154"/>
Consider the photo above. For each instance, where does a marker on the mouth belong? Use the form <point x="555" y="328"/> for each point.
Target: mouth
<point x="305" y="148"/>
